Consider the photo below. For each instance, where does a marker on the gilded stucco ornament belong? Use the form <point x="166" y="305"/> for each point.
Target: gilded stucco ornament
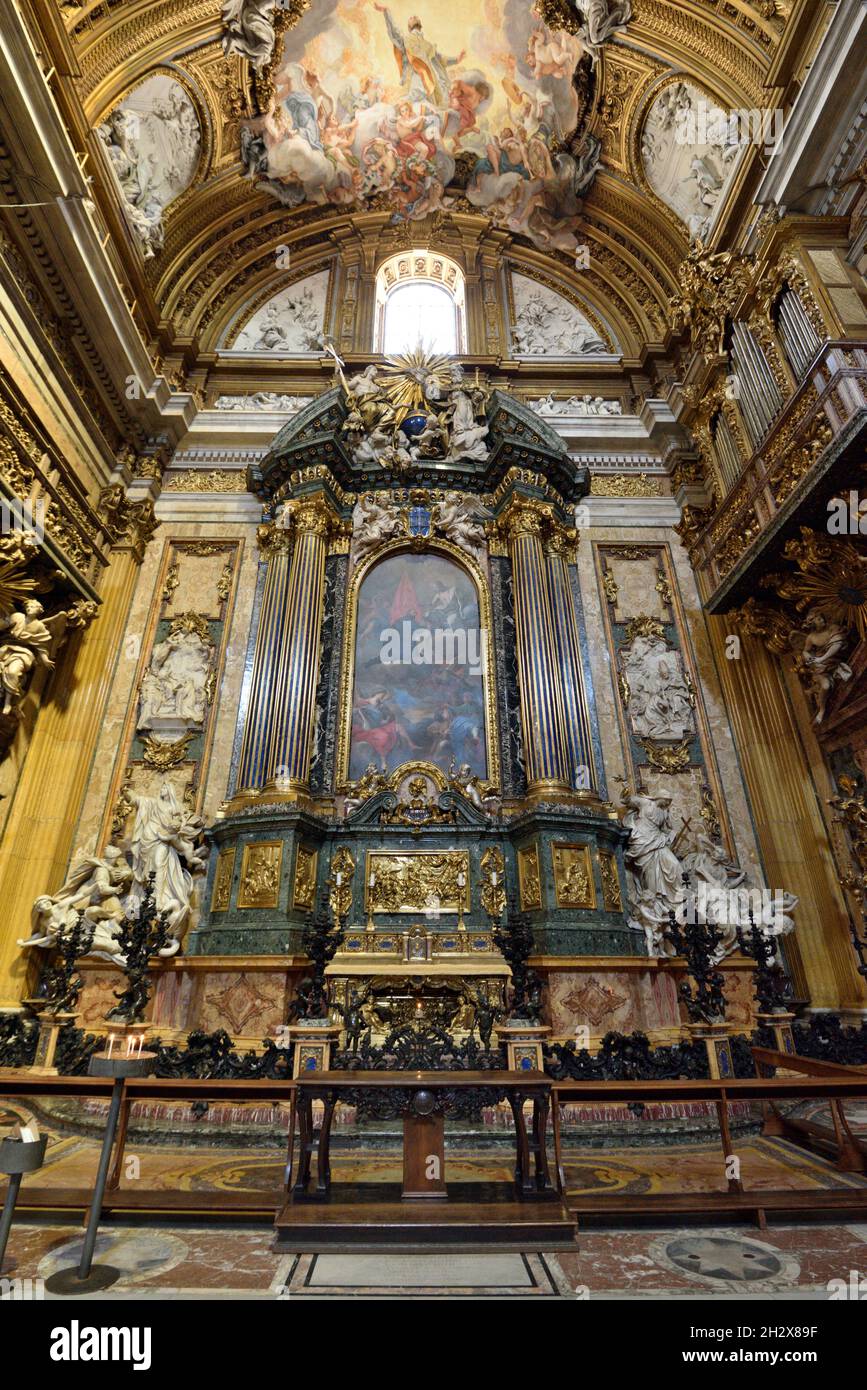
<point x="31" y="640"/>
<point x="711" y="284"/>
<point x="819" y="613"/>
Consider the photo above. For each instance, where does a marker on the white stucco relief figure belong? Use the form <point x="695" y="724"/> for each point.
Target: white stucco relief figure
<point x="152" y="142"/>
<point x="468" y="433"/>
<point x="166" y="842"/>
<point x="249" y="29"/>
<point x="660" y="700"/>
<point x="549" y="325"/>
<point x="373" y="525"/>
<point x="687" y="154"/>
<point x="461" y="520"/>
<point x="290" y="323"/>
<point x="575" y="405"/>
<point x="263" y="400"/>
<point x="28" y="639"/>
<point x="174" y="689"/>
<point x="602" y="19"/>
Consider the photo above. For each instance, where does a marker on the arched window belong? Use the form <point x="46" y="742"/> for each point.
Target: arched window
<point x="420" y="301"/>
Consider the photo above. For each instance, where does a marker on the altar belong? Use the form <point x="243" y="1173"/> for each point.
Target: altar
<point x="424" y="1210"/>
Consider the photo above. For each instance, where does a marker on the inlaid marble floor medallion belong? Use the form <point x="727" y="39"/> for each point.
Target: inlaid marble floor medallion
<point x="725" y="1261"/>
<point x="137" y="1254"/>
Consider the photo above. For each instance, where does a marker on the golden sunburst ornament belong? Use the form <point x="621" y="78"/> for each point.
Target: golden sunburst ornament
<point x="416" y="379"/>
<point x="15" y="587"/>
<point x="832" y="579"/>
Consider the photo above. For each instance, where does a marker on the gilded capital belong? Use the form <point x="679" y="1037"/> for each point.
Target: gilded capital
<point x="524" y="517"/>
<point x="273" y="538"/>
<point x="562" y="541"/>
<point x="132" y="524"/>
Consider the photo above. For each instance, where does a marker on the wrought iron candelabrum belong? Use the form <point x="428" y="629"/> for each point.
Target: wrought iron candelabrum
<point x="141" y="937"/>
<point x="320" y="940"/>
<point x="60" y="986"/>
<point x="698" y="942"/>
<point x="769" y="978"/>
<point x="515" y="943"/>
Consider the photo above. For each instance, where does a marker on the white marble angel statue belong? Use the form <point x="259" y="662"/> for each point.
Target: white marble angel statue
<point x="478" y="793"/>
<point x="165" y="842"/>
<point x="373" y="525"/>
<point x="461" y="520"/>
<point x="94" y="888"/>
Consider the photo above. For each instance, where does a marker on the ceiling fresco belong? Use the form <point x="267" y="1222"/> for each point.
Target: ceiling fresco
<point x="413" y="107"/>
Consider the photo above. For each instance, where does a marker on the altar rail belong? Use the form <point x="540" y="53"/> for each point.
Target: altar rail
<point x="845" y="1084"/>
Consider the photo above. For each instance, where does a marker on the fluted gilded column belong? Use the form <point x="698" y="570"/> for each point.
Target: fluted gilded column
<point x="546" y="753"/>
<point x="560" y="543"/>
<point x="276" y="753"/>
<point x="39" y="833"/>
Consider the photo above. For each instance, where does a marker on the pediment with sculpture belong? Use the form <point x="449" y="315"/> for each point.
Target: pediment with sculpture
<point x="418" y="417"/>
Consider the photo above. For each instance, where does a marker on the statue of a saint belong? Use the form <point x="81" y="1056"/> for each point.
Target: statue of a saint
<point x="165" y="842"/>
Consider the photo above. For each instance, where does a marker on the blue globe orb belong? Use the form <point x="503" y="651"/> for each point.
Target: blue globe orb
<point x="414" y="424"/>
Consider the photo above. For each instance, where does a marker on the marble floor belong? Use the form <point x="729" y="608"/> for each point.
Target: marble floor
<point x="178" y="1261"/>
<point x="187" y="1258"/>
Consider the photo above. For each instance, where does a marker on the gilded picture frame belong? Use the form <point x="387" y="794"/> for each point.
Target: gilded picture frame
<point x="410" y="545"/>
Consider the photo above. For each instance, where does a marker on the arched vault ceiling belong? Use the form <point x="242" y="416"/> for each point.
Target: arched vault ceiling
<point x="221" y="235"/>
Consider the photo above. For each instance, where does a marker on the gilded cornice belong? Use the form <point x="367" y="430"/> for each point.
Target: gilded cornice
<point x="147" y="35"/>
<point x="702" y="45"/>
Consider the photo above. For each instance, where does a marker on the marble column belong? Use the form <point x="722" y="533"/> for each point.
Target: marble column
<point x="560" y="543"/>
<point x="276" y="750"/>
<point x="546" y="752"/>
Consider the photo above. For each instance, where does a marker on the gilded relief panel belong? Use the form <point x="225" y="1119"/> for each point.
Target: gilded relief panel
<point x="529" y="882"/>
<point x="304" y="889"/>
<point x="223" y="880"/>
<point x="416" y="882"/>
<point x="259" y="885"/>
<point x="612" y="899"/>
<point x="573" y="876"/>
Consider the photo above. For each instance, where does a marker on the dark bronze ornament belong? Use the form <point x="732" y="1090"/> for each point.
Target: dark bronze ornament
<point x="140" y="937"/>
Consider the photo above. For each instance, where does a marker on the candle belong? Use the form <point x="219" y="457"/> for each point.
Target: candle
<point x="494" y="878"/>
<point x="338" y="878"/>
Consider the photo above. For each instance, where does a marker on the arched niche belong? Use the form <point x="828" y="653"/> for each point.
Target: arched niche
<point x="289" y="322"/>
<point x="417" y="673"/>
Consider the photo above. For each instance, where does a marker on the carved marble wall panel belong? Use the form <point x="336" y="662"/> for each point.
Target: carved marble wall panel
<point x="665" y="736"/>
